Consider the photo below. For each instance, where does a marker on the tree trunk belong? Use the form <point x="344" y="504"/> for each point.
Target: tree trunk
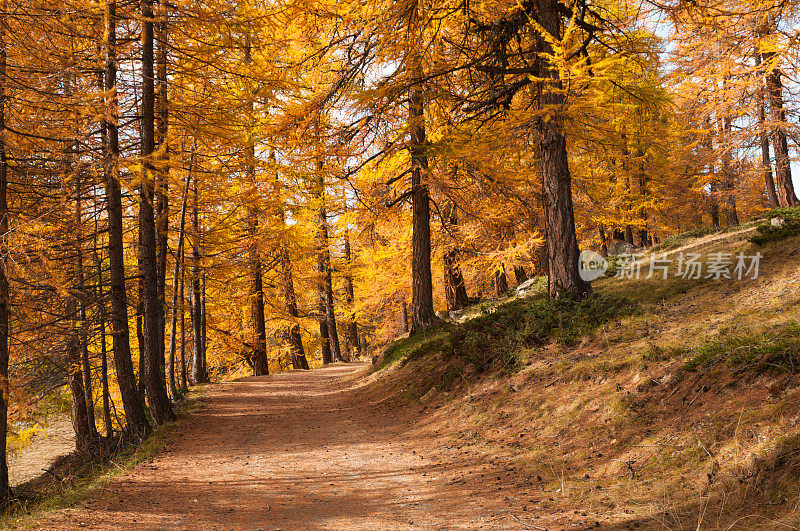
<point x="422" y="314"/>
<point x="131" y="399"/>
<point x="783" y="170"/>
<point x="603" y="240"/>
<point x="562" y="244"/>
<point x="293" y="336"/>
<point x="198" y="374"/>
<point x="86" y="366"/>
<point x="403" y="315"/>
<point x="77" y="401"/>
<point x="176" y="279"/>
<point x="349" y="292"/>
<point x="520" y="275"/>
<point x="5" y="490"/>
<point x="327" y="334"/>
<point x="500" y="281"/>
<point x="731" y="216"/>
<point x="455" y="292"/>
<point x="152" y="311"/>
<point x="101" y="306"/>
<point x="259" y="330"/>
<point x="766" y="163"/>
<point x="184" y="379"/>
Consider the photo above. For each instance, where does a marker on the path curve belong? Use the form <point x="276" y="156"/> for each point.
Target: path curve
<point x="301" y="450"/>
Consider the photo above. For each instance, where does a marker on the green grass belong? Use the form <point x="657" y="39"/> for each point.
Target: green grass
<point x="677" y="240"/>
<point x="500" y="338"/>
<point x="777" y="349"/>
<point x="767" y="233"/>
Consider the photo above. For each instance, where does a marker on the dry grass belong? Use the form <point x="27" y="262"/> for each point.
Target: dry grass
<point x="619" y="426"/>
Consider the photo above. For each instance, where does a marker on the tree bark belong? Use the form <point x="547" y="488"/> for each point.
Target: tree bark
<point x="562" y="243"/>
<point x="131" y="399"/>
<point x="422" y="314"/>
<point x="176" y="279"/>
<point x="603" y="240"/>
<point x="101" y="307"/>
<point x="77" y="402"/>
<point x="162" y="173"/>
<point x="783" y="171"/>
<point x="198" y="374"/>
<point x="766" y="163"/>
<point x="293" y="336"/>
<point x="152" y="312"/>
<point x="5" y="490"/>
<point x="500" y="281"/>
<point x="731" y="216"/>
<point x="455" y="291"/>
<point x="351" y="340"/>
<point x="327" y="321"/>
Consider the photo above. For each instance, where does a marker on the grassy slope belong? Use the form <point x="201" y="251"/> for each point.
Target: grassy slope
<point x="676" y="409"/>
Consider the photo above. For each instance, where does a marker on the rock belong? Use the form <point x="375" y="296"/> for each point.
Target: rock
<point x="777" y="222"/>
<point x="524" y="288"/>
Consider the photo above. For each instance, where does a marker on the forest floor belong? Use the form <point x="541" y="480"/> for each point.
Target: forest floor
<point x="303" y="450"/>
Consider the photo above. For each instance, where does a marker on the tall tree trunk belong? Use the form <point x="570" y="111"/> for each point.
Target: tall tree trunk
<point x="204" y="325"/>
<point x="82" y="320"/>
<point x="184" y="379"/>
<point x="349" y="292"/>
<point x="101" y="307"/>
<point x="403" y="316"/>
<point x="162" y="172"/>
<point x="562" y="244"/>
<point x="131" y="399"/>
<point x="198" y="374"/>
<point x="422" y="314"/>
<point x="152" y="312"/>
<point x="766" y="163"/>
<point x="783" y="170"/>
<point x="5" y="490"/>
<point x="731" y="216"/>
<point x="176" y="278"/>
<point x="326" y="334"/>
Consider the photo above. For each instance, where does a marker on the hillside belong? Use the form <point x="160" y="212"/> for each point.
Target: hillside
<point x="657" y="403"/>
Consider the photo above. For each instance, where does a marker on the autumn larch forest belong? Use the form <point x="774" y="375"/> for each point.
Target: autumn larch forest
<point x="455" y="239"/>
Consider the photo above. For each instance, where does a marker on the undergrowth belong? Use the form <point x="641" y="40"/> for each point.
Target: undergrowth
<point x="766" y="232"/>
<point x="771" y="350"/>
<point x="499" y="339"/>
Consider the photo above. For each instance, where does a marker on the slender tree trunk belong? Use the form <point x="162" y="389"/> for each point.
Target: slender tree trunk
<point x="198" y="373"/>
<point x="175" y="281"/>
<point x="323" y="263"/>
<point x="204" y="326"/>
<point x="731" y="216"/>
<point x="184" y="379"/>
<point x="162" y="173"/>
<point x="783" y="170"/>
<point x="763" y="136"/>
<point x="603" y="240"/>
<point x="5" y="490"/>
<point x="422" y="314"/>
<point x="72" y="342"/>
<point x="82" y="320"/>
<point x="152" y="312"/>
<point x="131" y="399"/>
<point x="101" y="306"/>
<point x="520" y="275"/>
<point x="349" y="292"/>
<point x="403" y="316"/>
<point x="455" y="291"/>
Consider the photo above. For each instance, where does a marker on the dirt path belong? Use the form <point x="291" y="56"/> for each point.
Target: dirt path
<point x="302" y="450"/>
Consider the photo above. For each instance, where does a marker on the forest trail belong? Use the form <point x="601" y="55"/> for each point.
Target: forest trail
<point x="302" y="450"/>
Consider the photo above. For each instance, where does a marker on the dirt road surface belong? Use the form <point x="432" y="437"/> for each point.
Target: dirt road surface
<point x="308" y="450"/>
